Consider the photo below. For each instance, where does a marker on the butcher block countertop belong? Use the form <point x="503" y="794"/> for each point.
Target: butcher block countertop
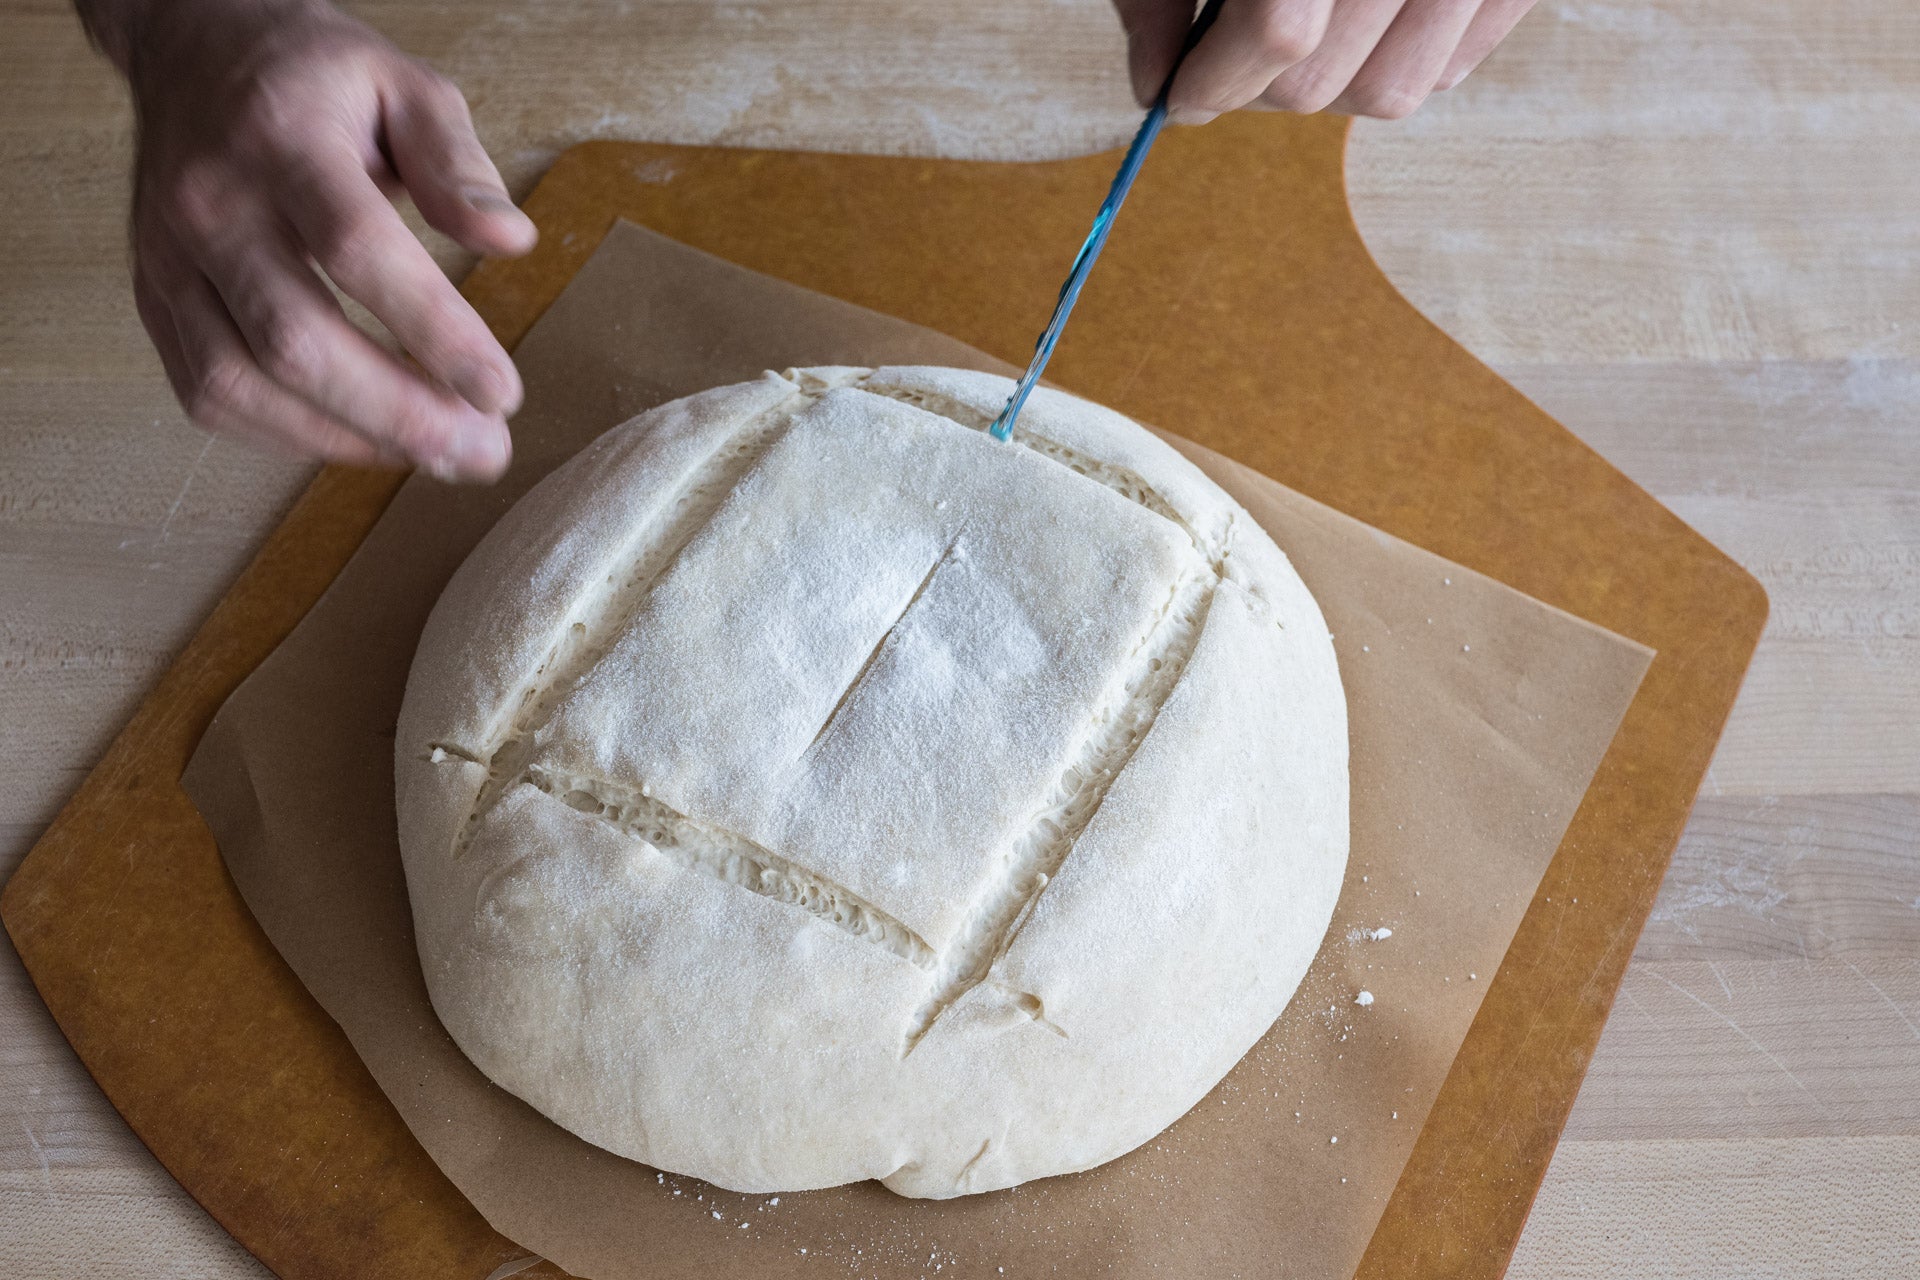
<point x="1690" y="229"/>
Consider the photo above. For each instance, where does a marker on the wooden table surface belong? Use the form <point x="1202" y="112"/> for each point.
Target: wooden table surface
<point x="1688" y="228"/>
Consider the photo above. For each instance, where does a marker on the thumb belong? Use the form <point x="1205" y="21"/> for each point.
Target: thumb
<point x="1155" y="31"/>
<point x="448" y="173"/>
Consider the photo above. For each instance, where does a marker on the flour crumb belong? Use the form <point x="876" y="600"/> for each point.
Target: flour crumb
<point x="716" y="1213"/>
<point x="775" y="1200"/>
<point x="1364" y="999"/>
<point x="1466" y="648"/>
<point x="439" y="756"/>
<point x="1334" y="1140"/>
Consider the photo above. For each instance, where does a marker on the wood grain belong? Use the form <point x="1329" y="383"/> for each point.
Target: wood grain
<point x="1685" y="229"/>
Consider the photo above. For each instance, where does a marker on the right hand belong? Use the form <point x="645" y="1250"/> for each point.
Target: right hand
<point x="270" y="136"/>
<point x="1361" y="57"/>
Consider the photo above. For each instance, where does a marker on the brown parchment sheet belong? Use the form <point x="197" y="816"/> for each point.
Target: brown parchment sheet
<point x="1477" y="717"/>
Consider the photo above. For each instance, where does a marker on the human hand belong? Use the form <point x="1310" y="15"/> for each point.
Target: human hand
<point x="1361" y="57"/>
<point x="272" y="133"/>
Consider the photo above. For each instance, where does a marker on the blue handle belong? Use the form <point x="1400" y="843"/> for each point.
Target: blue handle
<point x="1102" y="224"/>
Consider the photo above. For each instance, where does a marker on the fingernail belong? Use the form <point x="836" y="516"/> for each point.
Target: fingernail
<point x="477" y="453"/>
<point x="495" y="204"/>
<point x="486" y="388"/>
<point x="1192" y="115"/>
<point x="489" y="201"/>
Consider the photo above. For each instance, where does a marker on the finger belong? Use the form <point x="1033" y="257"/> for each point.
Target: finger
<point x="1317" y="81"/>
<point x="1156" y="29"/>
<point x="200" y="384"/>
<point x="157" y="319"/>
<point x="1407" y="62"/>
<point x="1251" y="43"/>
<point x="1492" y="24"/>
<point x="224" y="393"/>
<point x="448" y="173"/>
<point x="360" y="242"/>
<point x="299" y="337"/>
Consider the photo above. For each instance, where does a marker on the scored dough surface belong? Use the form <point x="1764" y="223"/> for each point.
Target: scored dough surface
<point x="801" y="786"/>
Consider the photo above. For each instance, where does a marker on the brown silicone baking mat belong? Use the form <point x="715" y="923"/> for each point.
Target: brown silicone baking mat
<point x="251" y="1096"/>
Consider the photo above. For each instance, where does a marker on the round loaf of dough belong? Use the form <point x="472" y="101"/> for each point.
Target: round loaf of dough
<point x="801" y="786"/>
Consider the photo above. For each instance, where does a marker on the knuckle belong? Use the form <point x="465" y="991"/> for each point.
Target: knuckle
<point x="445" y="94"/>
<point x="214" y="392"/>
<point x="257" y="127"/>
<point x="348" y="247"/>
<point x="270" y="118"/>
<point x="434" y="93"/>
<point x="1211" y="101"/>
<point x="1306" y="94"/>
<point x="194" y="201"/>
<point x="290" y="352"/>
<point x="1288" y="35"/>
<point x="1386" y="101"/>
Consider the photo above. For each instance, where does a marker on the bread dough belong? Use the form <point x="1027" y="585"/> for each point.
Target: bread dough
<point x="801" y="786"/>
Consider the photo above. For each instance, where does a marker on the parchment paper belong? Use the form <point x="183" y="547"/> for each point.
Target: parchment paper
<point x="1477" y="717"/>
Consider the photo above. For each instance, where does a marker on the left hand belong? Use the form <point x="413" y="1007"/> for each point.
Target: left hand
<point x="271" y="133"/>
<point x="1360" y="57"/>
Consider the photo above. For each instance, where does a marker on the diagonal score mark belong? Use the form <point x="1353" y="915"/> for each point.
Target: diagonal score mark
<point x="846" y="694"/>
<point x="727" y="856"/>
<point x="1118" y="725"/>
<point x="591" y="630"/>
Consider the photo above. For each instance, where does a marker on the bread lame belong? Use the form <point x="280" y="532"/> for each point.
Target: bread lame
<point x="1102" y="224"/>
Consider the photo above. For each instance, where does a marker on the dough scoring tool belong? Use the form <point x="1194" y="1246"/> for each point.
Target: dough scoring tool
<point x="1102" y="223"/>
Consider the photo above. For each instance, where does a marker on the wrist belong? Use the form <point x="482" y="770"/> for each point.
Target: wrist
<point x="139" y="36"/>
<point x="115" y="27"/>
